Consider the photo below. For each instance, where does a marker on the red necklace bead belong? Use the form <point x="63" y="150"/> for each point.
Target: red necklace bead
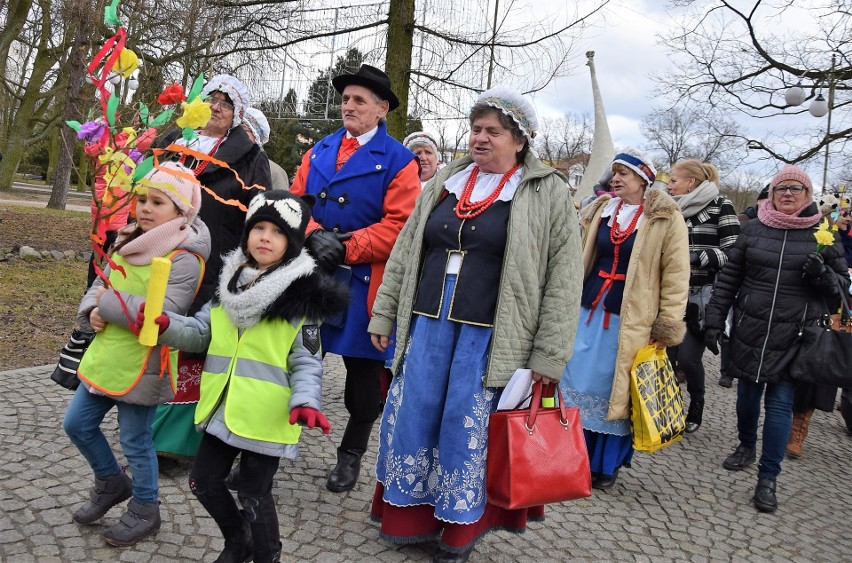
<point x="465" y="209"/>
<point x="200" y="168"/>
<point x="617" y="236"/>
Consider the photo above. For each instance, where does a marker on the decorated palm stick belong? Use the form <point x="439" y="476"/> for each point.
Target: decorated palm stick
<point x="156" y="295"/>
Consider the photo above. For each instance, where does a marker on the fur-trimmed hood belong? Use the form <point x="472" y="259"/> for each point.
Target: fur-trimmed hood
<point x="299" y="289"/>
<point x="657" y="203"/>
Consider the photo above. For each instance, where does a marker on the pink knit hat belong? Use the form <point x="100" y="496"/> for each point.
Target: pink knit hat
<point x="790" y="172"/>
<point x="179" y="184"/>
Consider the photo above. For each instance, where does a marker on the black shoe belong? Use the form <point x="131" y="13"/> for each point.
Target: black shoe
<point x="345" y="474"/>
<point x="742" y="457"/>
<point x="694" y="416"/>
<point x="239" y="547"/>
<point x="726" y="381"/>
<point x="445" y="556"/>
<point x="605" y="482"/>
<point x="764" y="495"/>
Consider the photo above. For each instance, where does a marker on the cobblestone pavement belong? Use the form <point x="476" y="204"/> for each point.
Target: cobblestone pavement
<point x="675" y="505"/>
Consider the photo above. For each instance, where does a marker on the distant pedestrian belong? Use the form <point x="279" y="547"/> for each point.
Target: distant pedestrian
<point x="258" y="129"/>
<point x="116" y="370"/>
<point x="263" y="373"/>
<point x="424" y="146"/>
<point x="776" y="282"/>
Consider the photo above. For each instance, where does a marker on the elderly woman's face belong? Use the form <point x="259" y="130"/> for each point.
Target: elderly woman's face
<point x="627" y="184"/>
<point x="492" y="146"/>
<point x="428" y="161"/>
<point x="789" y="196"/>
<point x="679" y="183"/>
<point x="221" y="113"/>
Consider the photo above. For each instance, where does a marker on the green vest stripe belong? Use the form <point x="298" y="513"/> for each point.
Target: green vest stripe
<point x="248" y="371"/>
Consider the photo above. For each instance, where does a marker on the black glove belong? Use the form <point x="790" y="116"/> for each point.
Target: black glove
<point x="694" y="258"/>
<point x="711" y="339"/>
<point x="813" y="266"/>
<point x="327" y="248"/>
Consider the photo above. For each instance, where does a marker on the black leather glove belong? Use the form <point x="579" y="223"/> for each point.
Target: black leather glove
<point x="327" y="248"/>
<point x="694" y="258"/>
<point x="711" y="339"/>
<point x="813" y="266"/>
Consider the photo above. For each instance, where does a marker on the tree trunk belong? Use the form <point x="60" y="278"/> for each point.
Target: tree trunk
<point x="52" y="155"/>
<point x="82" y="170"/>
<point x="398" y="61"/>
<point x="76" y="76"/>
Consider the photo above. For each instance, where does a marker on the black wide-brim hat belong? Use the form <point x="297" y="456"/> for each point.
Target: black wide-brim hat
<point x="368" y="77"/>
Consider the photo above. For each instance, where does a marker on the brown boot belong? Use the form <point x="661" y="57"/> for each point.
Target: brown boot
<point x="798" y="433"/>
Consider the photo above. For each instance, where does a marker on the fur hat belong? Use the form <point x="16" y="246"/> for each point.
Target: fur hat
<point x="790" y="172"/>
<point x="828" y="203"/>
<point x="764" y="193"/>
<point x="368" y="77"/>
<point x="288" y="212"/>
<point x="639" y="162"/>
<point x="257" y="122"/>
<point x="419" y="139"/>
<point x="178" y="183"/>
<point x="515" y="106"/>
<point x="234" y="89"/>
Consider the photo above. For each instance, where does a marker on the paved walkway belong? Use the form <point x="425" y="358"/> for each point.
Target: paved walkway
<point x="675" y="505"/>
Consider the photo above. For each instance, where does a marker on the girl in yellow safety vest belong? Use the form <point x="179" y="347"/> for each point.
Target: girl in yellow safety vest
<point x="262" y="378"/>
<point x="116" y="370"/>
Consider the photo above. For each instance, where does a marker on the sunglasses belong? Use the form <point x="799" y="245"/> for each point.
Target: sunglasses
<point x="795" y="190"/>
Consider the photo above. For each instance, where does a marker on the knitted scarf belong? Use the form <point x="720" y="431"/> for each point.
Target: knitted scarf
<point x="696" y="200"/>
<point x="771" y="217"/>
<point x="159" y="241"/>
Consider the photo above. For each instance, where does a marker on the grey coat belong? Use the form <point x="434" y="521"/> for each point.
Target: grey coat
<point x="183" y="281"/>
<point x="538" y="304"/>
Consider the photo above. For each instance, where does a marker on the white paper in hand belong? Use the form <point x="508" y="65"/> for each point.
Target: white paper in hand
<point x="517" y="390"/>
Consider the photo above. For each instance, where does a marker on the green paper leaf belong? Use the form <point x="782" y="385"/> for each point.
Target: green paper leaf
<point x="143" y="168"/>
<point x="189" y="134"/>
<point x="143" y="113"/>
<point x="164" y="117"/>
<point x="197" y="86"/>
<point x="111" y="14"/>
<point x="112" y="107"/>
<point x="75" y="125"/>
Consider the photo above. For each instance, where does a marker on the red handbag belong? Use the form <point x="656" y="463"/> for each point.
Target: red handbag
<point x="537" y="455"/>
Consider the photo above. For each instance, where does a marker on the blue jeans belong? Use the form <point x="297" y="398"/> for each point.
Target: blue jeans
<point x="83" y="426"/>
<point x="778" y="420"/>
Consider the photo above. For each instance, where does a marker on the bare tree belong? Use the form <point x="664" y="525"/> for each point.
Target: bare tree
<point x="742" y="57"/>
<point x="680" y="132"/>
<point x="567" y="138"/>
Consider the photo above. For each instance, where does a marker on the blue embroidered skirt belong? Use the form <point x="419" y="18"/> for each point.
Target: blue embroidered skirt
<point x="587" y="384"/>
<point x="434" y="431"/>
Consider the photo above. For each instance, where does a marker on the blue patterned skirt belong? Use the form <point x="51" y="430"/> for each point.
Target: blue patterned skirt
<point x="433" y="437"/>
<point x="587" y="384"/>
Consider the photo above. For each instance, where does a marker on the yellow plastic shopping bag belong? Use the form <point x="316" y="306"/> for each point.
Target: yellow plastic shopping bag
<point x="657" y="418"/>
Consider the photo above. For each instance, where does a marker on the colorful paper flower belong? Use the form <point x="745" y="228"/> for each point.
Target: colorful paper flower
<point x="126" y="63"/>
<point x="173" y="94"/>
<point x="196" y="114"/>
<point x="92" y="131"/>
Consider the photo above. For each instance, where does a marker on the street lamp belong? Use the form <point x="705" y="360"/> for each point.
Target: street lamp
<point x="819" y="107"/>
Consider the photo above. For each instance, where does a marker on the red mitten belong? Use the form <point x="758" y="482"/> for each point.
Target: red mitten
<point x="311" y="418"/>
<point x="162" y="321"/>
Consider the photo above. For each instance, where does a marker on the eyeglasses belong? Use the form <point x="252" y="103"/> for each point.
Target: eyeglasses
<point x="223" y="104"/>
<point x="795" y="190"/>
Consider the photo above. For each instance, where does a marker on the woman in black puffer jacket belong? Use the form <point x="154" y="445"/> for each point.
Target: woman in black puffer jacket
<point x="777" y="282"/>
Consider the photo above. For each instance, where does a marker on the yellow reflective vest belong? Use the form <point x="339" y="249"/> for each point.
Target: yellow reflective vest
<point x="248" y="371"/>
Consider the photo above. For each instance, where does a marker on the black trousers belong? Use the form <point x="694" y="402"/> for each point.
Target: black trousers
<point x="207" y="481"/>
<point x="363" y="399"/>
<point x="687" y="356"/>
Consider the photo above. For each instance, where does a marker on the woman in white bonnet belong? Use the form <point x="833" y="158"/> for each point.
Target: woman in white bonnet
<point x="484" y="226"/>
<point x="425" y="147"/>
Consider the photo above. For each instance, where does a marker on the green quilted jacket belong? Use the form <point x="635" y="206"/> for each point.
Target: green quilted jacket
<point x="540" y="285"/>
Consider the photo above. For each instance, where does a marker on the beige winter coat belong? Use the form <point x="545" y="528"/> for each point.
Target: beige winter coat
<point x="655" y="288"/>
<point x="538" y="304"/>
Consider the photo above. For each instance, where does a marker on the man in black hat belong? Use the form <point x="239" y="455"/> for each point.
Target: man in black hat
<point x="365" y="183"/>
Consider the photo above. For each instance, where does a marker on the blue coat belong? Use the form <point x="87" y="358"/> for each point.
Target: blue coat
<point x="349" y="199"/>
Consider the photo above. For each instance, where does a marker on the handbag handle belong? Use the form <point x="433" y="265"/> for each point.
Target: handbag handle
<point x="535" y="405"/>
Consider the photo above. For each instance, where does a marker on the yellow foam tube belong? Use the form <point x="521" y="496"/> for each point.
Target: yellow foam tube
<point x="154" y="298"/>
